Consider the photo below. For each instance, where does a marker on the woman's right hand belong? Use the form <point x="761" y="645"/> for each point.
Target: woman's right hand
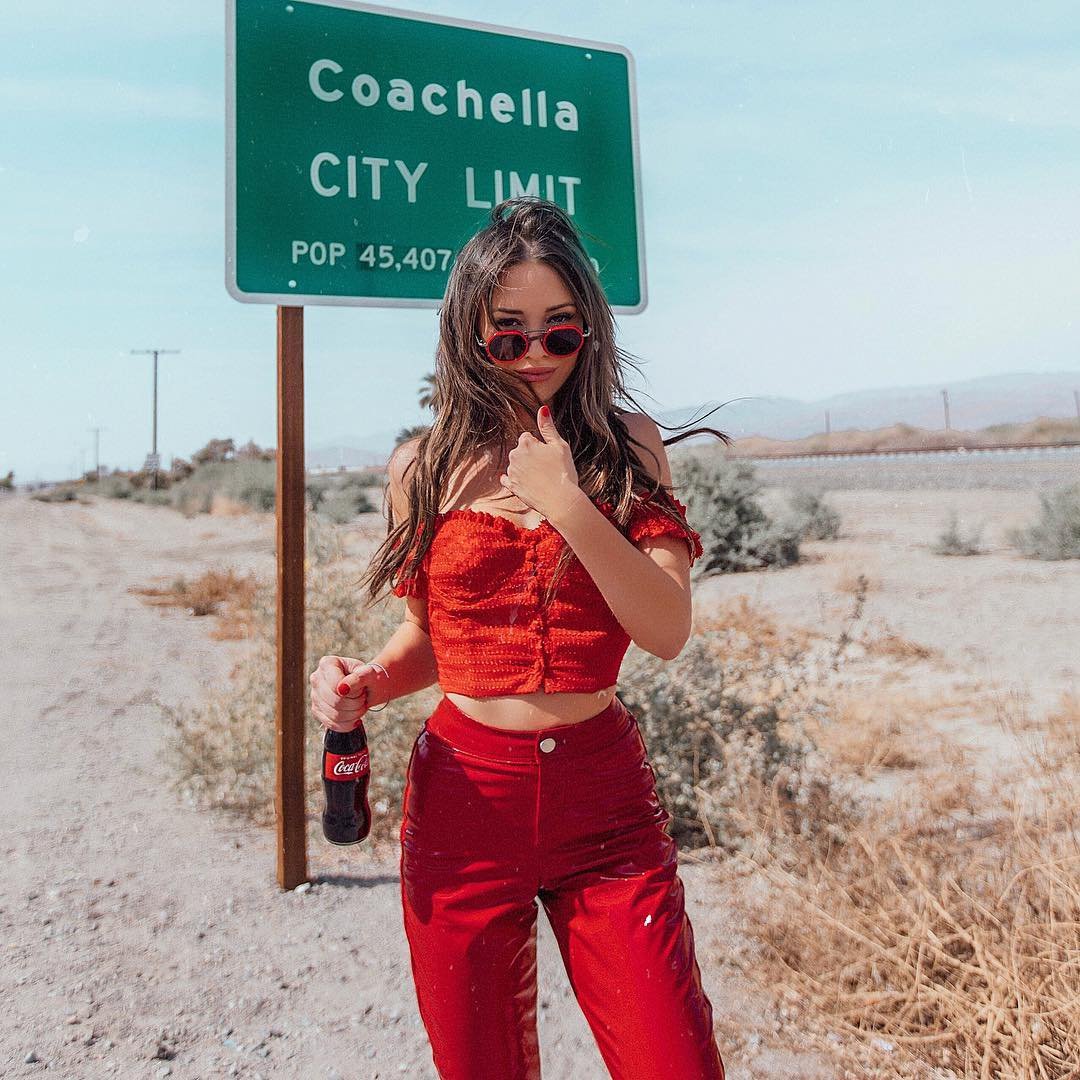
<point x="338" y="711"/>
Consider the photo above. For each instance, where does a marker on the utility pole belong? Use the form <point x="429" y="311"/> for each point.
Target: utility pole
<point x="828" y="430"/>
<point x="945" y="398"/>
<point x="153" y="459"/>
<point x="1076" y="398"/>
<point x="97" y="456"/>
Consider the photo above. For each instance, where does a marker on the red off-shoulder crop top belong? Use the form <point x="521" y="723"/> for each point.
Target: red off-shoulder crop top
<point x="485" y="577"/>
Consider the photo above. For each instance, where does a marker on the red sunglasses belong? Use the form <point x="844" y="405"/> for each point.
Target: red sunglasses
<point x="506" y="346"/>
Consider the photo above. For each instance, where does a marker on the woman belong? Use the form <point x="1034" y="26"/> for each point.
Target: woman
<point x="535" y="537"/>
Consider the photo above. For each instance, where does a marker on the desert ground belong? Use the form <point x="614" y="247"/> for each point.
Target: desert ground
<point x="143" y="938"/>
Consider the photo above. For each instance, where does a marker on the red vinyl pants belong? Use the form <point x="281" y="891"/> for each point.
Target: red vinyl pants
<point x="492" y="821"/>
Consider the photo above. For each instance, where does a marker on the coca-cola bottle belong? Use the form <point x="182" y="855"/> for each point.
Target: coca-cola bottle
<point x="346" y="769"/>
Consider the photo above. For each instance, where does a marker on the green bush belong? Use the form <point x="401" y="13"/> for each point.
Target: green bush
<point x="115" y="487"/>
<point x="721" y="498"/>
<point x="951" y="541"/>
<point x="60" y="493"/>
<point x="340" y="497"/>
<point x="725" y="724"/>
<point x="248" y="481"/>
<point x="152" y="497"/>
<point x="814" y="517"/>
<point x="1056" y="535"/>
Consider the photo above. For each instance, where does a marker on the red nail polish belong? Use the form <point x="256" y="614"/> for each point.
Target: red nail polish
<point x="343" y="688"/>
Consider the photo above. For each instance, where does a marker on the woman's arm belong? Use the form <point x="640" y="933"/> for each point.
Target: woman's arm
<point x="646" y="585"/>
<point x="409" y="662"/>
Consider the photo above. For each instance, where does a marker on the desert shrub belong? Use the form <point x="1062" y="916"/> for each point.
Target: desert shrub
<point x="152" y="496"/>
<point x="216" y="450"/>
<point x="721" y="498"/>
<point x="222" y="748"/>
<point x="180" y="470"/>
<point x="253" y="482"/>
<point x="142" y="479"/>
<point x="725" y="722"/>
<point x="952" y="541"/>
<point x="219" y="591"/>
<point x="7" y="482"/>
<point x="1056" y="535"/>
<point x="815" y="518"/>
<point x="251" y="449"/>
<point x="60" y="493"/>
<point x="115" y="487"/>
<point x="339" y="497"/>
<point x="249" y="481"/>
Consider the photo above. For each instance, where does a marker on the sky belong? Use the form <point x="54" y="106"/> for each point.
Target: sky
<point x="837" y="196"/>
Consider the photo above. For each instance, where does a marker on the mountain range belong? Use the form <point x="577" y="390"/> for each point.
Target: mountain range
<point x="973" y="404"/>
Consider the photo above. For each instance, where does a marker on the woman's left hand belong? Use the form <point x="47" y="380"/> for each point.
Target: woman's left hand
<point x="541" y="474"/>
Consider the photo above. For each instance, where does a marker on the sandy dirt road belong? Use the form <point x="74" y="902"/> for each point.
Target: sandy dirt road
<point x="141" y="938"/>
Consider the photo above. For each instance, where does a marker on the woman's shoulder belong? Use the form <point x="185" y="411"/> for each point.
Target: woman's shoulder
<point x="638" y="423"/>
<point x="402" y="455"/>
<point x="401" y="458"/>
<point x="643" y="430"/>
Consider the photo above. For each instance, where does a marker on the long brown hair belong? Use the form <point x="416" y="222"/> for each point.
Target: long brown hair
<point x="473" y="398"/>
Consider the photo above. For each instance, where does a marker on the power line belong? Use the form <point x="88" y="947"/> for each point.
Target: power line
<point x="154" y="462"/>
<point x="97" y="456"/>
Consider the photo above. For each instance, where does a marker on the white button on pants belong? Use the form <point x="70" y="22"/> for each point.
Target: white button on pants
<point x="547" y="745"/>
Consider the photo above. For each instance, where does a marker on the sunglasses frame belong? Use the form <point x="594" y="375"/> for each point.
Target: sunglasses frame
<point x="529" y="336"/>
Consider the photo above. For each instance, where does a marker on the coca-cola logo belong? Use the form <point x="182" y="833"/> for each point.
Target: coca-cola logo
<point x="348" y="766"/>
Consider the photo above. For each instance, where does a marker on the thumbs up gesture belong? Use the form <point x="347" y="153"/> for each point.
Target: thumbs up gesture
<point x="541" y="472"/>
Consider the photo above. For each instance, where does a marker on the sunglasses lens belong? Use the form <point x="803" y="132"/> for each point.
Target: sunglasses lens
<point x="508" y="345"/>
<point x="563" y="342"/>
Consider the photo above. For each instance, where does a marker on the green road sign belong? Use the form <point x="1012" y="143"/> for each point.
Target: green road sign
<point x="365" y="145"/>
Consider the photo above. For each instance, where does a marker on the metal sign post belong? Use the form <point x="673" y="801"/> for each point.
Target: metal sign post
<point x="364" y="146"/>
<point x="291" y="709"/>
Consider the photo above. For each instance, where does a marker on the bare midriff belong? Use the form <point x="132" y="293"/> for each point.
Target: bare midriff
<point x="533" y="712"/>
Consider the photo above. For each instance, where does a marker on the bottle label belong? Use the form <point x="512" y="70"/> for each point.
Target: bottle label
<point x="346" y="766"/>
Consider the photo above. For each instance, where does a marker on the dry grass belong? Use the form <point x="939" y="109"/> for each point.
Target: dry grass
<point x="222" y="505"/>
<point x="893" y="646"/>
<point x="856" y="582"/>
<point x="218" y="591"/>
<point x="943" y="933"/>
<point x="753" y="630"/>
<point x="1063" y="727"/>
<point x="865" y="734"/>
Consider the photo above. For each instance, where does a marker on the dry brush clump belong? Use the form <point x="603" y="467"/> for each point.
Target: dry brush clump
<point x="219" y="591"/>
<point x="942" y="933"/>
<point x="886" y="642"/>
